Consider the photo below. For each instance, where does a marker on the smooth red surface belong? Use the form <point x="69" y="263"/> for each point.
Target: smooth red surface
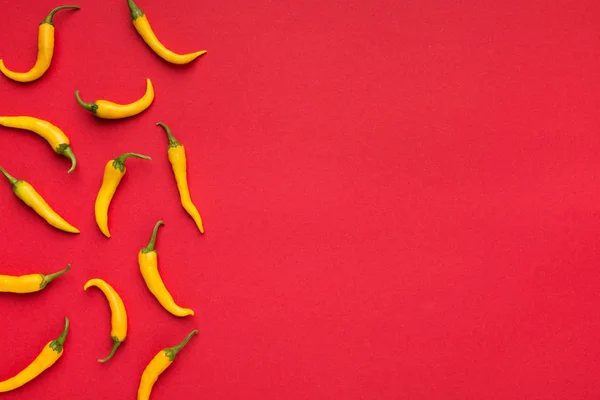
<point x="401" y="198"/>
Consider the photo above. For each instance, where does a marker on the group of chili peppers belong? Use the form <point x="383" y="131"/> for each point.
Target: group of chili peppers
<point x="113" y="173"/>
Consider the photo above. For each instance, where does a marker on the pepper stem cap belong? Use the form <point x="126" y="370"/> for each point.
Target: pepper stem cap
<point x="49" y="278"/>
<point x="65" y="150"/>
<point x="172" y="141"/>
<point x="134" y="10"/>
<point x="48" y="19"/>
<point x="13" y="181"/>
<point x="150" y="247"/>
<point x="116" y="345"/>
<point x="93" y="107"/>
<point x="171" y="352"/>
<point x="57" y="345"/>
<point x="119" y="162"/>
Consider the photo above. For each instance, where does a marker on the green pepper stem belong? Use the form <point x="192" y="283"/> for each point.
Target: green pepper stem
<point x="172" y="141"/>
<point x="48" y="19"/>
<point x="57" y="345"/>
<point x="66" y="151"/>
<point x="134" y="10"/>
<point x="88" y="106"/>
<point x="119" y="162"/>
<point x="116" y="344"/>
<point x="13" y="181"/>
<point x="49" y="278"/>
<point x="171" y="352"/>
<point x="152" y="241"/>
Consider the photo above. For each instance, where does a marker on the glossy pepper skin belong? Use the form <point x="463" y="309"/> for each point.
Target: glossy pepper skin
<point x="178" y="160"/>
<point x="29" y="196"/>
<point x="113" y="173"/>
<point x="142" y="26"/>
<point x="28" y="283"/>
<point x="45" y="51"/>
<point x="48" y="356"/>
<point x="148" y="260"/>
<point x="157" y="366"/>
<point x="119" y="314"/>
<point x="55" y="137"/>
<point x="109" y="110"/>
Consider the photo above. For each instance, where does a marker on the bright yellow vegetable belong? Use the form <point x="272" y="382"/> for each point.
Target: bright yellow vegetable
<point x="157" y="366"/>
<point x="28" y="283"/>
<point x="142" y="26"/>
<point x="113" y="173"/>
<point x="148" y="260"/>
<point x="45" y="51"/>
<point x="178" y="160"/>
<point x="119" y="314"/>
<point x="109" y="110"/>
<point x="29" y="196"/>
<point x="54" y="136"/>
<point x="49" y="355"/>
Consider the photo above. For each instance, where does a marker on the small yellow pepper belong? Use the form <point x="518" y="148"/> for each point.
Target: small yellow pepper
<point x="48" y="356"/>
<point x="45" y="51"/>
<point x="148" y="260"/>
<point x="28" y="195"/>
<point x="113" y="173"/>
<point x="28" y="283"/>
<point x="119" y="314"/>
<point x="109" y="110"/>
<point x="158" y="365"/>
<point x="177" y="157"/>
<point x="142" y="26"/>
<point x="54" y="136"/>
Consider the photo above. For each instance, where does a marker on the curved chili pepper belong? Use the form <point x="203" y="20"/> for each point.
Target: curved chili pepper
<point x="142" y="26"/>
<point x="54" y="136"/>
<point x="113" y="173"/>
<point x="45" y="51"/>
<point x="48" y="356"/>
<point x="28" y="283"/>
<point x="29" y="196"/>
<point x="109" y="110"/>
<point x="178" y="160"/>
<point x="148" y="260"/>
<point x="119" y="315"/>
<point x="158" y="365"/>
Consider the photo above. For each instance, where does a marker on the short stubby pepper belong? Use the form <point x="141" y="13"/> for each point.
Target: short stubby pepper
<point x="119" y="314"/>
<point x="109" y="110"/>
<point x="148" y="260"/>
<point x="158" y="365"/>
<point x="28" y="195"/>
<point x="178" y="160"/>
<point x="45" y="51"/>
<point x="28" y="283"/>
<point x="55" y="137"/>
<point x="142" y="26"/>
<point x="113" y="173"/>
<point x="50" y="354"/>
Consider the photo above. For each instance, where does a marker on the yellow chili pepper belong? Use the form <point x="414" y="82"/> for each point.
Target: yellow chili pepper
<point x="178" y="160"/>
<point x="148" y="260"/>
<point x="119" y="315"/>
<point x="45" y="51"/>
<point x="29" y="196"/>
<point x="54" y="136"/>
<point x="142" y="26"/>
<point x="113" y="173"/>
<point x="28" y="283"/>
<point x="158" y="365"/>
<point x="49" y="355"/>
<point x="109" y="110"/>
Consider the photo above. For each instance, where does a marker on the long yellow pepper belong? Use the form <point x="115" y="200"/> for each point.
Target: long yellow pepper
<point x="119" y="314"/>
<point x="45" y="51"/>
<point x="178" y="160"/>
<point x="109" y="110"/>
<point x="158" y="365"/>
<point x="148" y="260"/>
<point x="142" y="26"/>
<point x="55" y="137"/>
<point x="28" y="283"/>
<point x="51" y="353"/>
<point x="113" y="173"/>
<point x="31" y="197"/>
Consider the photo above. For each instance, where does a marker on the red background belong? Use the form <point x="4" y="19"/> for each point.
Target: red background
<point x="401" y="199"/>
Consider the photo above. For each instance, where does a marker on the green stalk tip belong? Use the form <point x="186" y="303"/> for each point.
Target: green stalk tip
<point x="48" y="19"/>
<point x="150" y="247"/>
<point x="49" y="278"/>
